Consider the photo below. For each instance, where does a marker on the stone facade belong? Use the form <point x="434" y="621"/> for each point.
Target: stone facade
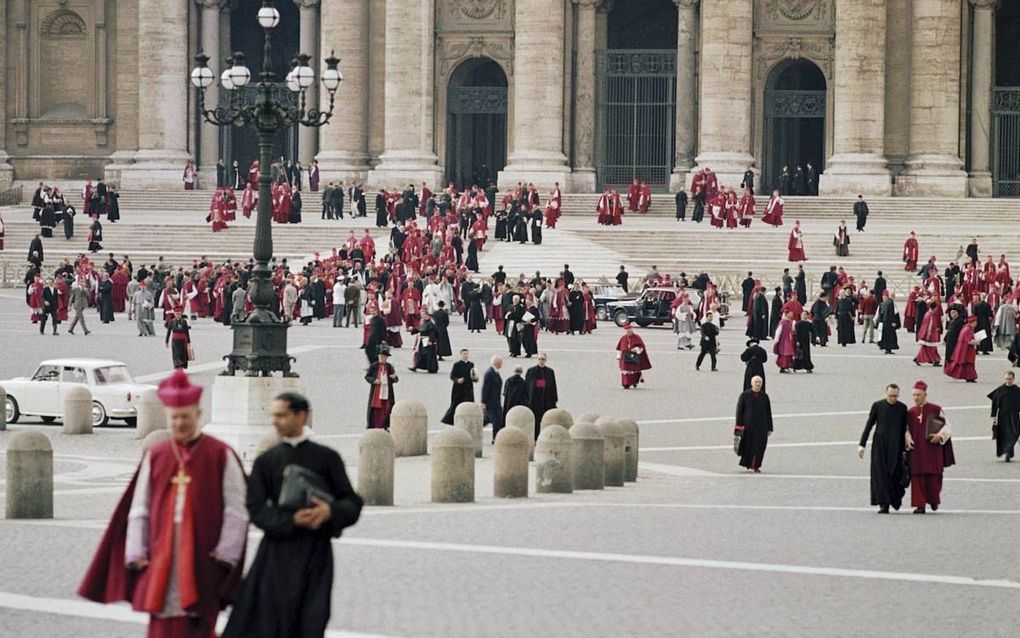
<point x="83" y="90"/>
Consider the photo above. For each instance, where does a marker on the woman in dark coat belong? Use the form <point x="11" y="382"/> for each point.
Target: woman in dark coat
<point x="754" y="358"/>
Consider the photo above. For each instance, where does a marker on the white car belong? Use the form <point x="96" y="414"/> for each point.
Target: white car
<point x="113" y="390"/>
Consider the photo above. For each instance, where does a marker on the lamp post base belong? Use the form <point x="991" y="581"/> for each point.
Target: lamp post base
<point x="241" y="410"/>
<point x="260" y="349"/>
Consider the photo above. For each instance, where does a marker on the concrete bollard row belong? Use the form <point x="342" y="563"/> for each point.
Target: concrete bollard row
<point x="470" y="417"/>
<point x="587" y="417"/>
<point x="614" y="459"/>
<point x="510" y="471"/>
<point x="522" y="418"/>
<point x="375" y="467"/>
<point x="30" y="476"/>
<point x="3" y="414"/>
<point x="453" y="467"/>
<point x="588" y="457"/>
<point x="409" y="425"/>
<point x="556" y="416"/>
<point x="77" y="410"/>
<point x="554" y="469"/>
<point x="150" y="413"/>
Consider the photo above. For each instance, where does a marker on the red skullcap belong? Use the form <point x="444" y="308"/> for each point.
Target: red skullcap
<point x="921" y="385"/>
<point x="178" y="392"/>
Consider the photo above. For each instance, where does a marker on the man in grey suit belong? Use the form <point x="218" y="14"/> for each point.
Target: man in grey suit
<point x="78" y="301"/>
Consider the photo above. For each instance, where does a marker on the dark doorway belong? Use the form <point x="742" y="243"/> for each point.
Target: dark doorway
<point x="642" y="24"/>
<point x="247" y="36"/>
<point x="1006" y="103"/>
<point x="794" y="121"/>
<point x="476" y="102"/>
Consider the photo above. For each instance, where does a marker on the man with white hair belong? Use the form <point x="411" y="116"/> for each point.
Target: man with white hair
<point x="492" y="387"/>
<point x="754" y="426"/>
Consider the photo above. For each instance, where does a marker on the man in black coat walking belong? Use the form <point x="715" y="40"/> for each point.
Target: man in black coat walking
<point x="861" y="212"/>
<point x="492" y="388"/>
<point x="889" y="419"/>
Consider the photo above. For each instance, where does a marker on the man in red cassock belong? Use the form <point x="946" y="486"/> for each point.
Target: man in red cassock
<point x="175" y="545"/>
<point x="960" y="364"/>
<point x="910" y="252"/>
<point x="711" y="183"/>
<point x="552" y="207"/>
<point x="929" y="450"/>
<point x="795" y="246"/>
<point x="774" y="210"/>
<point x="633" y="193"/>
<point x="604" y="208"/>
<point x="644" y="198"/>
<point x="253" y="175"/>
<point x="632" y="356"/>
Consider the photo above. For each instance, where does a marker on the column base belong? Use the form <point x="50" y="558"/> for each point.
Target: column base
<point x="979" y="184"/>
<point x="856" y="174"/>
<point x="543" y="169"/>
<point x="582" y="180"/>
<point x="6" y="171"/>
<point x="119" y="161"/>
<point x="932" y="176"/>
<point x="241" y="410"/>
<point x="397" y="169"/>
<point x="728" y="167"/>
<point x="156" y="169"/>
<point x="680" y="179"/>
<point x="335" y="166"/>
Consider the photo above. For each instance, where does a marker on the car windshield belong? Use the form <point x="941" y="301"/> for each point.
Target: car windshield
<point x="112" y="374"/>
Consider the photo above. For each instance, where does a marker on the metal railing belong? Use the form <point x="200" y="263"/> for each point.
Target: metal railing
<point x="11" y="196"/>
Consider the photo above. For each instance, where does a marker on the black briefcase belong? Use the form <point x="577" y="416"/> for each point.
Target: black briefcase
<point x="300" y="485"/>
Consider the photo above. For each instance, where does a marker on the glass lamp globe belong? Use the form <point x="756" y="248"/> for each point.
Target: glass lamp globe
<point x="225" y="80"/>
<point x="292" y="82"/>
<point x="268" y="17"/>
<point x="239" y="75"/>
<point x="202" y="77"/>
<point x="305" y="76"/>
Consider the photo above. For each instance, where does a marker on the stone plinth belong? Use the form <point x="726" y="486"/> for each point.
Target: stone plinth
<point x="409" y="425"/>
<point x="557" y="416"/>
<point x="588" y="457"/>
<point x="375" y="467"/>
<point x="453" y="467"/>
<point x="3" y="414"/>
<point x="77" y="410"/>
<point x="29" y="476"/>
<point x="631" y="441"/>
<point x="470" y="418"/>
<point x="521" y="417"/>
<point x="554" y="470"/>
<point x="510" y="454"/>
<point x="150" y="413"/>
<point x="241" y="410"/>
<point x="614" y="456"/>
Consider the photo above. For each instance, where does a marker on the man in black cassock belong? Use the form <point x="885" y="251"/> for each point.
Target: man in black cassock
<point x="754" y="358"/>
<point x="441" y="318"/>
<point x="747" y="287"/>
<point x="804" y="336"/>
<point x="861" y="213"/>
<point x="376" y="336"/>
<point x="492" y="388"/>
<point x="513" y="322"/>
<point x="889" y="419"/>
<point x="1006" y="416"/>
<point x="681" y="205"/>
<point x="759" y="328"/>
<point x="980" y="309"/>
<point x="463" y="376"/>
<point x="289" y="587"/>
<point x="542" y="396"/>
<point x="748" y="181"/>
<point x="754" y="426"/>
<point x="515" y="391"/>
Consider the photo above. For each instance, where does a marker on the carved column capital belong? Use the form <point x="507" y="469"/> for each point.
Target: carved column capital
<point x="586" y="3"/>
<point x="212" y="4"/>
<point x="985" y="4"/>
<point x="685" y="4"/>
<point x="306" y="4"/>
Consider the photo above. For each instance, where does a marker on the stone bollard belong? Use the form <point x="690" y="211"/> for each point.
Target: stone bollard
<point x="631" y="439"/>
<point x="615" y="458"/>
<point x="588" y="457"/>
<point x="3" y="414"/>
<point x="29" y="476"/>
<point x="510" y="459"/>
<point x="553" y="465"/>
<point x="453" y="467"/>
<point x="557" y="416"/>
<point x="471" y="418"/>
<point x="409" y="425"/>
<point x="587" y="417"/>
<point x="150" y="413"/>
<point x="375" y="467"/>
<point x="522" y="418"/>
<point x="154" y="438"/>
<point x="77" y="408"/>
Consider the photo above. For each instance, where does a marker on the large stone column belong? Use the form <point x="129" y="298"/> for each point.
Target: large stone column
<point x="343" y="143"/>
<point x="162" y="97"/>
<point x="858" y="163"/>
<point x="209" y="134"/>
<point x="582" y="179"/>
<point x="410" y="156"/>
<point x="538" y="96"/>
<point x="686" y="93"/>
<point x="6" y="170"/>
<point x="724" y="104"/>
<point x="934" y="167"/>
<point x="308" y="137"/>
<point x="979" y="184"/>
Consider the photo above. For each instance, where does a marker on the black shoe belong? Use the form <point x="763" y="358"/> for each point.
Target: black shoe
<point x="883" y="509"/>
<point x="70" y="332"/>
<point x="919" y="510"/>
<point x="934" y="507"/>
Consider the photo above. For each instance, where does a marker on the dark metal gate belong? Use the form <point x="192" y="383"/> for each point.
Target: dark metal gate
<point x="475" y="134"/>
<point x="794" y="133"/>
<point x="1006" y="142"/>
<point x="636" y="114"/>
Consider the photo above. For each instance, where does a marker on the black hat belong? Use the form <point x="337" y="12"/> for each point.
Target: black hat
<point x="383" y="349"/>
<point x="752" y="340"/>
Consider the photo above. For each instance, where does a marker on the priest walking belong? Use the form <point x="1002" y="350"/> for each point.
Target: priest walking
<point x="753" y="427"/>
<point x="464" y="377"/>
<point x="888" y="418"/>
<point x="929" y="450"/>
<point x="1006" y="416"/>
<point x="542" y="396"/>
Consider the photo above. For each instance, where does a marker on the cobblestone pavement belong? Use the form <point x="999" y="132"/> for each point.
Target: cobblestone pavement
<point x="695" y="548"/>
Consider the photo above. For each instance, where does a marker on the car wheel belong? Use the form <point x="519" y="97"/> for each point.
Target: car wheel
<point x="48" y="419"/>
<point x="131" y="422"/>
<point x="620" y="317"/>
<point x="11" y="407"/>
<point x="601" y="313"/>
<point x="99" y="417"/>
<point x="644" y="323"/>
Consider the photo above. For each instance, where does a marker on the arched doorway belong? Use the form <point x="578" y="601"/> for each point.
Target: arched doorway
<point x="794" y="121"/>
<point x="239" y="143"/>
<point x="476" y="106"/>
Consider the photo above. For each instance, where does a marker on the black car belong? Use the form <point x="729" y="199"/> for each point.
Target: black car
<point x="653" y="306"/>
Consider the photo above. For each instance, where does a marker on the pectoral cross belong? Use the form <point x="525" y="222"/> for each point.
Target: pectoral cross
<point x="180" y="478"/>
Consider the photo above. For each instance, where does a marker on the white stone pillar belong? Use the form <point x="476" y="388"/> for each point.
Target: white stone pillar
<point x="308" y="137"/>
<point x="6" y="170"/>
<point x="858" y="163"/>
<point x="538" y="96"/>
<point x="724" y="104"/>
<point x="979" y="184"/>
<point x="162" y="97"/>
<point x="343" y="143"/>
<point x="209" y="134"/>
<point x="582" y="179"/>
<point x="686" y="92"/>
<point x="410" y="156"/>
<point x="934" y="167"/>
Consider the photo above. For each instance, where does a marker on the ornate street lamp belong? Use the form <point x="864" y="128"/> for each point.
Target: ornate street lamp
<point x="260" y="342"/>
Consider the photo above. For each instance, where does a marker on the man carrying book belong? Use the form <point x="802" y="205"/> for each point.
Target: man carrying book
<point x="300" y="497"/>
<point x="929" y="450"/>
